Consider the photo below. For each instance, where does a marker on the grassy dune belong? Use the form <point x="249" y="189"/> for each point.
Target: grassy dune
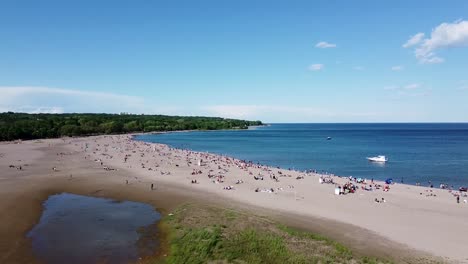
<point x="206" y="234"/>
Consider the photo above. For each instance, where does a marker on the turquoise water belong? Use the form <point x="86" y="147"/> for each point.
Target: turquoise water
<point x="82" y="229"/>
<point x="416" y="152"/>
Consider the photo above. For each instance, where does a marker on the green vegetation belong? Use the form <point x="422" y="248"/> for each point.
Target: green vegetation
<point x="32" y="126"/>
<point x="205" y="234"/>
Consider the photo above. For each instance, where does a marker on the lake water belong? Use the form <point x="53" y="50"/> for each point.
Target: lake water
<point x="416" y="152"/>
<point x="82" y="229"/>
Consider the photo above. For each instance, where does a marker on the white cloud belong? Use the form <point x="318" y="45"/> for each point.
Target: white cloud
<point x="32" y="99"/>
<point x="397" y="68"/>
<point x="235" y="111"/>
<point x="55" y="100"/>
<point x="324" y="45"/>
<point x="415" y="94"/>
<point x="427" y="57"/>
<point x="280" y="113"/>
<point x="445" y="35"/>
<point x="414" y="40"/>
<point x="47" y="110"/>
<point x="409" y="90"/>
<point x="316" y="67"/>
<point x="412" y="86"/>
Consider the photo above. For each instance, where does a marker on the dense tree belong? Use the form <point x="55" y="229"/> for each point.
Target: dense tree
<point x="32" y="126"/>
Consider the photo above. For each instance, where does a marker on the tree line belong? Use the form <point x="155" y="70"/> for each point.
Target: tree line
<point x="33" y="126"/>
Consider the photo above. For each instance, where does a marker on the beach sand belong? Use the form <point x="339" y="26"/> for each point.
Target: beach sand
<point x="415" y="223"/>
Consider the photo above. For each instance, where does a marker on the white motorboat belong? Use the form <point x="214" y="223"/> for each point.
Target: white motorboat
<point x="379" y="158"/>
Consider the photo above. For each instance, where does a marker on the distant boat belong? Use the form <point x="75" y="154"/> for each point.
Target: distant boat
<point x="379" y="158"/>
<point x="329" y="138"/>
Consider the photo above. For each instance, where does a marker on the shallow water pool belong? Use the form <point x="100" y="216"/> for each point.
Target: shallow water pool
<point x="81" y="229"/>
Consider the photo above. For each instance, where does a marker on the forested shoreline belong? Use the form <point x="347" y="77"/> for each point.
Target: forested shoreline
<point x="34" y="126"/>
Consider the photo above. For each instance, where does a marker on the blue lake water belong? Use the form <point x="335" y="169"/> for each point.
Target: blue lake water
<point x="82" y="229"/>
<point x="418" y="152"/>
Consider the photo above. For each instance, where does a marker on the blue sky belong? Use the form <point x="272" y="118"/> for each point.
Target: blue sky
<point x="277" y="61"/>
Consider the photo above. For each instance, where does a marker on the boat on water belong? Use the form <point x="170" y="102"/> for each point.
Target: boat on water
<point x="329" y="138"/>
<point x="380" y="158"/>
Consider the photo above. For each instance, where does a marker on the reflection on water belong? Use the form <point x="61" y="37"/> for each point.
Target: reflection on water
<point x="81" y="229"/>
<point x="378" y="164"/>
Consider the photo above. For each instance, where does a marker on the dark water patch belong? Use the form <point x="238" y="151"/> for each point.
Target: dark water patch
<point x="82" y="229"/>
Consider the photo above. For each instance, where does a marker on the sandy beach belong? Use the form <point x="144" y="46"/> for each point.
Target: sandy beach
<point x="407" y="221"/>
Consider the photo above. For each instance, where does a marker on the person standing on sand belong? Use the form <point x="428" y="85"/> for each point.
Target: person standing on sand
<point x="458" y="198"/>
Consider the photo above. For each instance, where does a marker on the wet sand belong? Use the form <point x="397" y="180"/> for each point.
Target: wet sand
<point x="79" y="171"/>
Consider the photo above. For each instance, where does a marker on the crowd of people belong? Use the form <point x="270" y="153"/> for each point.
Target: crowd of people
<point x="218" y="166"/>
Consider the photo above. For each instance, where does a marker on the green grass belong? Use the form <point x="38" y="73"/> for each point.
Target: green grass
<point x="206" y="234"/>
<point x="251" y="246"/>
<point x="195" y="246"/>
<point x="340" y="249"/>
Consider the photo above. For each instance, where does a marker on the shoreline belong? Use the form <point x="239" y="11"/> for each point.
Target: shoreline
<point x="134" y="135"/>
<point x="331" y="216"/>
<point x="337" y="210"/>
